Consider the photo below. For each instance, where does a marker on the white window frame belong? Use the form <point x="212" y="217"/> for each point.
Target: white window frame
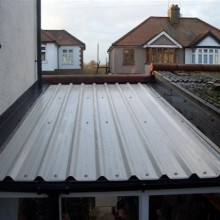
<point x="205" y="56"/>
<point x="43" y="50"/>
<point x="69" y="52"/>
<point x="144" y="196"/>
<point x="18" y="195"/>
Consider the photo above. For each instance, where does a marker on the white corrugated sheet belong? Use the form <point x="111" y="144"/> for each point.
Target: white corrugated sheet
<point x="114" y="131"/>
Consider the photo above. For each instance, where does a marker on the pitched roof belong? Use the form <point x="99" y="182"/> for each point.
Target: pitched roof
<point x="61" y="37"/>
<point x="110" y="131"/>
<point x="203" y="36"/>
<point x="46" y="37"/>
<point x="184" y="32"/>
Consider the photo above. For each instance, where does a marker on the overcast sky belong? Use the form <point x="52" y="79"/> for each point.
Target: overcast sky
<point x="105" y="21"/>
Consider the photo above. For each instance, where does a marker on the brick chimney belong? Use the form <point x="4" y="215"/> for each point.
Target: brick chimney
<point x="174" y="14"/>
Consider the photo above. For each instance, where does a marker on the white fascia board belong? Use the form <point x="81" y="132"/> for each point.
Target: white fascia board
<point x="21" y="195"/>
<point x="180" y="191"/>
<point x="176" y="44"/>
<point x="161" y="46"/>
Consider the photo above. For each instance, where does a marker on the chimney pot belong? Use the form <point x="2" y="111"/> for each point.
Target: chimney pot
<point x="174" y="14"/>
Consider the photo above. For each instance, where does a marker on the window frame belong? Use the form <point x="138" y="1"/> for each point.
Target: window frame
<point x="160" y="55"/>
<point x="43" y="51"/>
<point x="128" y="57"/>
<point x="69" y="56"/>
<point x="205" y="56"/>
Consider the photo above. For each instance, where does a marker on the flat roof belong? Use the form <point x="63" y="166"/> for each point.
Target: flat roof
<point x="110" y="131"/>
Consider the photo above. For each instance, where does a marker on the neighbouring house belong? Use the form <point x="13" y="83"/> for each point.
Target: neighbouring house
<point x="18" y="51"/>
<point x="172" y="39"/>
<point x="61" y="50"/>
<point x="82" y="149"/>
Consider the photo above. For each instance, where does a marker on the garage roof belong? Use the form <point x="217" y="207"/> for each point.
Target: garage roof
<point x="111" y="131"/>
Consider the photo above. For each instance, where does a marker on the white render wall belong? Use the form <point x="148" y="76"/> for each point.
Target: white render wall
<point x="51" y="62"/>
<point x="208" y="41"/>
<point x="18" y="40"/>
<point x="188" y="56"/>
<point x="76" y="58"/>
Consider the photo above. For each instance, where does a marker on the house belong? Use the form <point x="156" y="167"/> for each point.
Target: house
<point x="61" y="50"/>
<point x="172" y="39"/>
<point x="81" y="149"/>
<point x="19" y="66"/>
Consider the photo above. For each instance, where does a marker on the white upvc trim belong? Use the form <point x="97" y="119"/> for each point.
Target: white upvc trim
<point x="161" y="46"/>
<point x="186" y="191"/>
<point x="176" y="44"/>
<point x="144" y="207"/>
<point x="144" y="196"/>
<point x="21" y="195"/>
<point x="60" y="208"/>
<point x="161" y="192"/>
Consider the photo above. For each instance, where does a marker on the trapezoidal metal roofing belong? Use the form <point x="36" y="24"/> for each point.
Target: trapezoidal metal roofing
<point x="115" y="131"/>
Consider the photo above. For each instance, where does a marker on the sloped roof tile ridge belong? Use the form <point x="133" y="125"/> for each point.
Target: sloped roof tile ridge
<point x="48" y="34"/>
<point x="134" y="29"/>
<point x="68" y="35"/>
<point x="201" y="36"/>
<point x="155" y="35"/>
<point x="73" y="37"/>
<point x="59" y="32"/>
<point x="159" y="32"/>
<point x="206" y="23"/>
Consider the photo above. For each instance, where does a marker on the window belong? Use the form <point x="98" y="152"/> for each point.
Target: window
<point x="67" y="56"/>
<point x="128" y="57"/>
<point x="160" y="55"/>
<point x="25" y="208"/>
<point x="43" y="53"/>
<point x="100" y="207"/>
<point x="191" y="206"/>
<point x="205" y="56"/>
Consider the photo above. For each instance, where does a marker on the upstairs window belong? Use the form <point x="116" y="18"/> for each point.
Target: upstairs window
<point x="128" y="57"/>
<point x="67" y="57"/>
<point x="43" y="53"/>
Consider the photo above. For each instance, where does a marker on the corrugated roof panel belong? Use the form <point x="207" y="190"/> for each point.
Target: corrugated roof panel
<point x="113" y="131"/>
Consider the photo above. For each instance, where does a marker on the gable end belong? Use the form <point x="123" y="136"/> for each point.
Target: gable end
<point x="162" y="40"/>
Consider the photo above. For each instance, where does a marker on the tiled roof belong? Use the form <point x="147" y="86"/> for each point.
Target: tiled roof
<point x="61" y="37"/>
<point x="200" y="37"/>
<point x="112" y="131"/>
<point x="46" y="37"/>
<point x="200" y="83"/>
<point x="186" y="31"/>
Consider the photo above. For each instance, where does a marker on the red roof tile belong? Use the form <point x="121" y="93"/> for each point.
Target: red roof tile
<point x="186" y="31"/>
<point x="46" y="37"/>
<point x="61" y="37"/>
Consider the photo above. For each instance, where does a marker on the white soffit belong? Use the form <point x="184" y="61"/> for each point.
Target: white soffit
<point x="114" y="131"/>
<point x="163" y="33"/>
